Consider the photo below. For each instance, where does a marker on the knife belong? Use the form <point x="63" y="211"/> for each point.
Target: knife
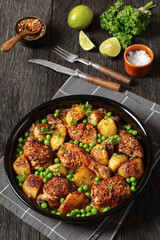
<point x="76" y="73"/>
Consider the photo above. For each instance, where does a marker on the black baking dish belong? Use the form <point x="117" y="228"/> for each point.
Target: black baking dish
<point x="65" y="102"/>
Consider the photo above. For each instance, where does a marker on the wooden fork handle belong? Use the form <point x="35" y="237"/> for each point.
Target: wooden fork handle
<point x="7" y="46"/>
<point x="103" y="83"/>
<point x="112" y="73"/>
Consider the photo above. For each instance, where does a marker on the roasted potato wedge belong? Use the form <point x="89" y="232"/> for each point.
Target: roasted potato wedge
<point x="58" y="138"/>
<point x="84" y="176"/>
<point x="95" y="116"/>
<point x="75" y="114"/>
<point x="100" y="154"/>
<point x="32" y="185"/>
<point x="132" y="168"/>
<point x="22" y="165"/>
<point x="116" y="161"/>
<point x="107" y="127"/>
<point x="61" y="169"/>
<point x="75" y="200"/>
<point x="37" y="130"/>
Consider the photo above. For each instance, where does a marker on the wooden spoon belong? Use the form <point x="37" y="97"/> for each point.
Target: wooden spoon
<point x="7" y="46"/>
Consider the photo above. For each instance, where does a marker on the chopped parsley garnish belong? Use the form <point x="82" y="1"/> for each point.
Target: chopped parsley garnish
<point x="87" y="107"/>
<point x="113" y="140"/>
<point x="103" y="147"/>
<point x="109" y="187"/>
<point x="131" y="158"/>
<point x="21" y="177"/>
<point x="63" y="149"/>
<point x="57" y="173"/>
<point x="72" y="122"/>
<point x="116" y="155"/>
<point x="46" y="131"/>
<point x="75" y="131"/>
<point x="58" y="134"/>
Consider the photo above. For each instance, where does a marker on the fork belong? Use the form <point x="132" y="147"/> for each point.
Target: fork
<point x="74" y="58"/>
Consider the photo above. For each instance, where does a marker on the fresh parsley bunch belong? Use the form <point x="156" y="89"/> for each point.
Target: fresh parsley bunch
<point x="126" y="22"/>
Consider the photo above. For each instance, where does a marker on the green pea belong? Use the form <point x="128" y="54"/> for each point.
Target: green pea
<point x="41" y="174"/>
<point x="88" y="194"/>
<point x="40" y="139"/>
<point x="134" y="132"/>
<point x="80" y="189"/>
<point x="97" y="179"/>
<point x="47" y="171"/>
<point x="69" y="177"/>
<point x="71" y="141"/>
<point x="76" y="142"/>
<point x="53" y="211"/>
<point x="44" y="120"/>
<point x="133" y="188"/>
<point x="109" y="114"/>
<point x="103" y="138"/>
<point x="81" y="144"/>
<point x="17" y="155"/>
<point x="48" y="136"/>
<point x="116" y="136"/>
<point x="19" y="145"/>
<point x="134" y="183"/>
<point x="56" y="114"/>
<point x="99" y="140"/>
<point x="130" y="131"/>
<point x="46" y="141"/>
<point x="18" y="150"/>
<point x="24" y="140"/>
<point x="88" y="208"/>
<point x="26" y="134"/>
<point x="68" y="215"/>
<point x="85" y="187"/>
<point x="95" y="124"/>
<point x="82" y="211"/>
<point x="21" y="152"/>
<point x="36" y="173"/>
<point x="44" y="180"/>
<point x="50" y="175"/>
<point x="61" y="200"/>
<point x="83" y="215"/>
<point x="133" y="179"/>
<point x="58" y="213"/>
<point x="73" y="213"/>
<point x="106" y="209"/>
<point x="78" y="215"/>
<point x="88" y="214"/>
<point x="57" y="111"/>
<point x="128" y="127"/>
<point x="85" y="146"/>
<point x="99" y="135"/>
<point x="77" y="210"/>
<point x="44" y="205"/>
<point x="20" y="139"/>
<point x="20" y="184"/>
<point x="56" y="160"/>
<point x="41" y="169"/>
<point x="84" y="120"/>
<point x="92" y="145"/>
<point x="87" y="149"/>
<point x="128" y="180"/>
<point x="94" y="211"/>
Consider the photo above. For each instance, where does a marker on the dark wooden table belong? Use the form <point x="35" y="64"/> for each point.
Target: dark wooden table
<point x="24" y="86"/>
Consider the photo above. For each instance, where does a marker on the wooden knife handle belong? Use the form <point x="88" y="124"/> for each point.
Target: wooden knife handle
<point x="104" y="83"/>
<point x="120" y="77"/>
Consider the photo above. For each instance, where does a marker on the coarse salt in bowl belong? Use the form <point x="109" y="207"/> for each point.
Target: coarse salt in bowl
<point x="138" y="60"/>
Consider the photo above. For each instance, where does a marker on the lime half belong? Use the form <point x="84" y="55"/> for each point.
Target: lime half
<point x="80" y="17"/>
<point x="85" y="42"/>
<point x="110" y="47"/>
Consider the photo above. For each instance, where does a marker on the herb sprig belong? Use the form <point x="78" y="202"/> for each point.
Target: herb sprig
<point x="87" y="107"/>
<point x="46" y="131"/>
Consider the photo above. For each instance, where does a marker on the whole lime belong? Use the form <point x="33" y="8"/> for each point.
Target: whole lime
<point x="80" y="17"/>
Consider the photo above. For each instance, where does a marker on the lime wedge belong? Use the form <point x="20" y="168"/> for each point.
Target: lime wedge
<point x="110" y="47"/>
<point x="85" y="42"/>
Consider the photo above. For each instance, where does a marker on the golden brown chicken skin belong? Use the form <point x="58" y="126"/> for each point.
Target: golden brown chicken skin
<point x="55" y="189"/>
<point x="38" y="154"/>
<point x="73" y="156"/>
<point x="109" y="193"/>
<point x="85" y="133"/>
<point x="129" y="145"/>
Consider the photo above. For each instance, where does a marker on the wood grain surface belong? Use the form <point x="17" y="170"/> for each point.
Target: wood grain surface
<point x="24" y="86"/>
